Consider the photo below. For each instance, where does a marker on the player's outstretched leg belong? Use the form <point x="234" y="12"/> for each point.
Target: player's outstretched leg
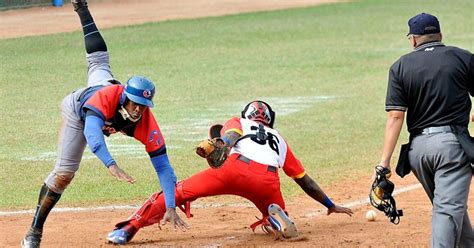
<point x="99" y="72"/>
<point x="282" y="225"/>
<point x="93" y="39"/>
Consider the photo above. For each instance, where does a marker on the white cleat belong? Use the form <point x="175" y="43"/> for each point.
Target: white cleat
<point x="281" y="223"/>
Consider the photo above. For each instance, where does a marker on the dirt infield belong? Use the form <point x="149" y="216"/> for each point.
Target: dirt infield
<point x="110" y="13"/>
<point x="215" y="226"/>
<point x="229" y="225"/>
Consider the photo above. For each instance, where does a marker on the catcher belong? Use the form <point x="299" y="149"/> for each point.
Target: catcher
<point x="244" y="162"/>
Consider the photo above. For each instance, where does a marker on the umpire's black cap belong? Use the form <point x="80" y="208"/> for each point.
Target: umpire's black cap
<point x="423" y="24"/>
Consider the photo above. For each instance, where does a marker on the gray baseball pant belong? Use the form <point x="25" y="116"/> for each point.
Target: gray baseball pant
<point x="71" y="137"/>
<point x="444" y="171"/>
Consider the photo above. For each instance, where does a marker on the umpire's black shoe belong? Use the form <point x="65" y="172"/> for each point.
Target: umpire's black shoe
<point x="32" y="238"/>
<point x="77" y="4"/>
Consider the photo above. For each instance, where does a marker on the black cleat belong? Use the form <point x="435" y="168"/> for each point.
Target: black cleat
<point x="32" y="238"/>
<point x="77" y="4"/>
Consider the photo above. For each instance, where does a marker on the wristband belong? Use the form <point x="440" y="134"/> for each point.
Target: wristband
<point x="327" y="202"/>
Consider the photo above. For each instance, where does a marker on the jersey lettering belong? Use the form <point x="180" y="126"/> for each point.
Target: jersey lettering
<point x="264" y="138"/>
<point x="264" y="145"/>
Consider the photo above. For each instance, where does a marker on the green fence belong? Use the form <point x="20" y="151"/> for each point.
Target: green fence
<point x="13" y="4"/>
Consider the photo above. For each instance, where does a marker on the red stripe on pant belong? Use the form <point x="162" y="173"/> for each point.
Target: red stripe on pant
<point x="252" y="181"/>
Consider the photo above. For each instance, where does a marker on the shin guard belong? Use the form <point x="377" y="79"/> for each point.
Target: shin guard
<point x="46" y="201"/>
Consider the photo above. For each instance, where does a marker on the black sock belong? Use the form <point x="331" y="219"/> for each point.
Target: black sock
<point x="46" y="201"/>
<point x="93" y="40"/>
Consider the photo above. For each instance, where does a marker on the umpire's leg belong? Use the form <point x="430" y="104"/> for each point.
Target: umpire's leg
<point x="442" y="168"/>
<point x="467" y="233"/>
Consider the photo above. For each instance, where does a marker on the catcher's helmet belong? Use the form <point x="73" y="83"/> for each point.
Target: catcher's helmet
<point x="140" y="90"/>
<point x="259" y="111"/>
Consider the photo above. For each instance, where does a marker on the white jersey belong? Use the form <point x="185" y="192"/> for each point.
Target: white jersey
<point x="271" y="151"/>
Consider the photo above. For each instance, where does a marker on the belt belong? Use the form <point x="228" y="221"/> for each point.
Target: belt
<point x="433" y="130"/>
<point x="247" y="161"/>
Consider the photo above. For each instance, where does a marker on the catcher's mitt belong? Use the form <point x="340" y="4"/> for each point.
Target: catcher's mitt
<point x="381" y="195"/>
<point x="214" y="151"/>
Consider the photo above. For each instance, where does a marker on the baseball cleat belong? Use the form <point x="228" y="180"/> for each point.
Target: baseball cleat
<point x="32" y="239"/>
<point x="281" y="223"/>
<point x="77" y="4"/>
<point x="118" y="236"/>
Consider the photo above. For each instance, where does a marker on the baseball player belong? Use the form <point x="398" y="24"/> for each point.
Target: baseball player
<point x="104" y="107"/>
<point x="245" y="162"/>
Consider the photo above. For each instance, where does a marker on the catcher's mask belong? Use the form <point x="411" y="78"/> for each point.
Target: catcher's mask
<point x="381" y="195"/>
<point x="259" y="111"/>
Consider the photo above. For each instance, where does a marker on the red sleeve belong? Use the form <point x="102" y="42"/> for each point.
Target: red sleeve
<point x="148" y="132"/>
<point x="105" y="101"/>
<point x="232" y="125"/>
<point x="293" y="167"/>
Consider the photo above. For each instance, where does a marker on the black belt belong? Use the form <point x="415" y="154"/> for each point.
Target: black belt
<point x="433" y="130"/>
<point x="247" y="161"/>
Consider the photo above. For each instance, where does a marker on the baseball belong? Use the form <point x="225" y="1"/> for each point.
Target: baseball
<point x="370" y="215"/>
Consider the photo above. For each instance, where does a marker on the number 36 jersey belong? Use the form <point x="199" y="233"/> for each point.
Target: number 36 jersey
<point x="272" y="151"/>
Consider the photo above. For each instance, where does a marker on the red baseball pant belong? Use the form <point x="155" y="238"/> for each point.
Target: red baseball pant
<point x="253" y="181"/>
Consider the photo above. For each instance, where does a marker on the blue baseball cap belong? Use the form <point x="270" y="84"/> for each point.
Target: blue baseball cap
<point x="423" y="24"/>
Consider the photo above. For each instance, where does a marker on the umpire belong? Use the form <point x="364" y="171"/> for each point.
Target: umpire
<point x="432" y="85"/>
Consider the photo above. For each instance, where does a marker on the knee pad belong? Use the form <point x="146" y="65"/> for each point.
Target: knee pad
<point x="59" y="182"/>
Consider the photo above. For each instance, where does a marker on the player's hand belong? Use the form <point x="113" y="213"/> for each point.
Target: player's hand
<point x="121" y="175"/>
<point x="173" y="217"/>
<point x="340" y="210"/>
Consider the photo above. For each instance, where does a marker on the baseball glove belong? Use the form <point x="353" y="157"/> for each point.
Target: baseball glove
<point x="214" y="151"/>
<point x="381" y="195"/>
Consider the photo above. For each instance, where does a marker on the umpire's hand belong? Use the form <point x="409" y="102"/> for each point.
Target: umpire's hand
<point x="121" y="175"/>
<point x="173" y="217"/>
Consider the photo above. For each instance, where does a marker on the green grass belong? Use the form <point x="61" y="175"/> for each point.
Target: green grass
<point x="205" y="70"/>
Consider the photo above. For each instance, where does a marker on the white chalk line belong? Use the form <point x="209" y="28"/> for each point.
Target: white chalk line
<point x="352" y="204"/>
<point x="123" y="207"/>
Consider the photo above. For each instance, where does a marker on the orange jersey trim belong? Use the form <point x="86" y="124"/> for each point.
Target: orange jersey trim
<point x="301" y="175"/>
<point x="239" y="131"/>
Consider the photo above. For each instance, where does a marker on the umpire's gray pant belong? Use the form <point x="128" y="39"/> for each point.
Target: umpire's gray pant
<point x="442" y="167"/>
<point x="72" y="142"/>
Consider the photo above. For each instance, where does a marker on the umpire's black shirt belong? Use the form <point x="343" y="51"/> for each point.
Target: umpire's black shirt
<point x="432" y="84"/>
